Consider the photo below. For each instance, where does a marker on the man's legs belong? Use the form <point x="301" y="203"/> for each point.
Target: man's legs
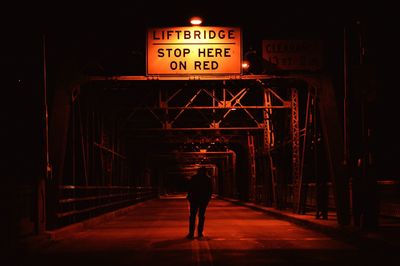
<point x="202" y="211"/>
<point x="192" y="219"/>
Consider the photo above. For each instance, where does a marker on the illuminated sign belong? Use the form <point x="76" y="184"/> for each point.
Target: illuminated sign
<point x="194" y="51"/>
<point x="293" y="54"/>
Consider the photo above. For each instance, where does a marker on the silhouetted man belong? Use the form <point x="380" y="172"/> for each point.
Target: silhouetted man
<point x="199" y="195"/>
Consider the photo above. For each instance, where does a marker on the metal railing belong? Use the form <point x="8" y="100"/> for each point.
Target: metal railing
<point x="77" y="203"/>
<point x="388" y="196"/>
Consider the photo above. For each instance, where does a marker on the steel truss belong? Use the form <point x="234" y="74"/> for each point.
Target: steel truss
<point x="219" y="105"/>
<point x="295" y="134"/>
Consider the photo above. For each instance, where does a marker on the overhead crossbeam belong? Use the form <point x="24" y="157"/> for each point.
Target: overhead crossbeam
<point x="169" y="108"/>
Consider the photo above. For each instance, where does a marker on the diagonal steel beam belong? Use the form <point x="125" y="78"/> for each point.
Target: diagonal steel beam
<point x="189" y="103"/>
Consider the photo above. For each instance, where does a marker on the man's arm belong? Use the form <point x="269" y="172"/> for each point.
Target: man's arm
<point x="210" y="187"/>
<point x="189" y="194"/>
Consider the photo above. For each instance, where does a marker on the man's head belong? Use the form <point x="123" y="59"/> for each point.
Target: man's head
<point x="202" y="170"/>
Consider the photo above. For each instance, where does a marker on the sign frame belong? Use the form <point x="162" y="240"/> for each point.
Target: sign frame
<point x="229" y="55"/>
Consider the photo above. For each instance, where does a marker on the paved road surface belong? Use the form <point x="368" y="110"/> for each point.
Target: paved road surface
<point x="154" y="234"/>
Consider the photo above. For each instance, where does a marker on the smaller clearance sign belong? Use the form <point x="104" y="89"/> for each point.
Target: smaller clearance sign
<point x="194" y="51"/>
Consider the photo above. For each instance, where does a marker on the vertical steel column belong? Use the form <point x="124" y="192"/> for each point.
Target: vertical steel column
<point x="87" y="146"/>
<point x="214" y="104"/>
<point x="112" y="155"/>
<point x="226" y="184"/>
<point x="106" y="142"/>
<point x="58" y="137"/>
<point x="268" y="128"/>
<point x="302" y="184"/>
<point x="233" y="174"/>
<point x="41" y="185"/>
<point x="101" y="153"/>
<point x="83" y="146"/>
<point x="333" y="140"/>
<point x="163" y="103"/>
<point x="270" y="182"/>
<point x="73" y="121"/>
<point x="295" y="134"/>
<point x="92" y="140"/>
<point x="252" y="164"/>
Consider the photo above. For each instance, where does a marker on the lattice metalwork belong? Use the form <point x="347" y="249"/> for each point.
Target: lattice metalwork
<point x="295" y="134"/>
<point x="252" y="163"/>
<point x="269" y="139"/>
<point x="220" y="102"/>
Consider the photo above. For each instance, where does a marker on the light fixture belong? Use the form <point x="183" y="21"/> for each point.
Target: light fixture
<point x="195" y="21"/>
<point x="245" y="64"/>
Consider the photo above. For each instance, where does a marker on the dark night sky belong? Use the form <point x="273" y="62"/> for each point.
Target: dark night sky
<point x="121" y="25"/>
<point x="111" y="32"/>
<point x="109" y="16"/>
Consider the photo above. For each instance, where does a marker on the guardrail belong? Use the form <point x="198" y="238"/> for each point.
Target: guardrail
<point x="77" y="203"/>
<point x="388" y="196"/>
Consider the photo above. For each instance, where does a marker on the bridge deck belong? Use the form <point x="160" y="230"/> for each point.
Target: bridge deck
<point x="154" y="234"/>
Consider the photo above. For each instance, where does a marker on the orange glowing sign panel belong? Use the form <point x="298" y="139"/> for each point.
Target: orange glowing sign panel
<point x="194" y="51"/>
